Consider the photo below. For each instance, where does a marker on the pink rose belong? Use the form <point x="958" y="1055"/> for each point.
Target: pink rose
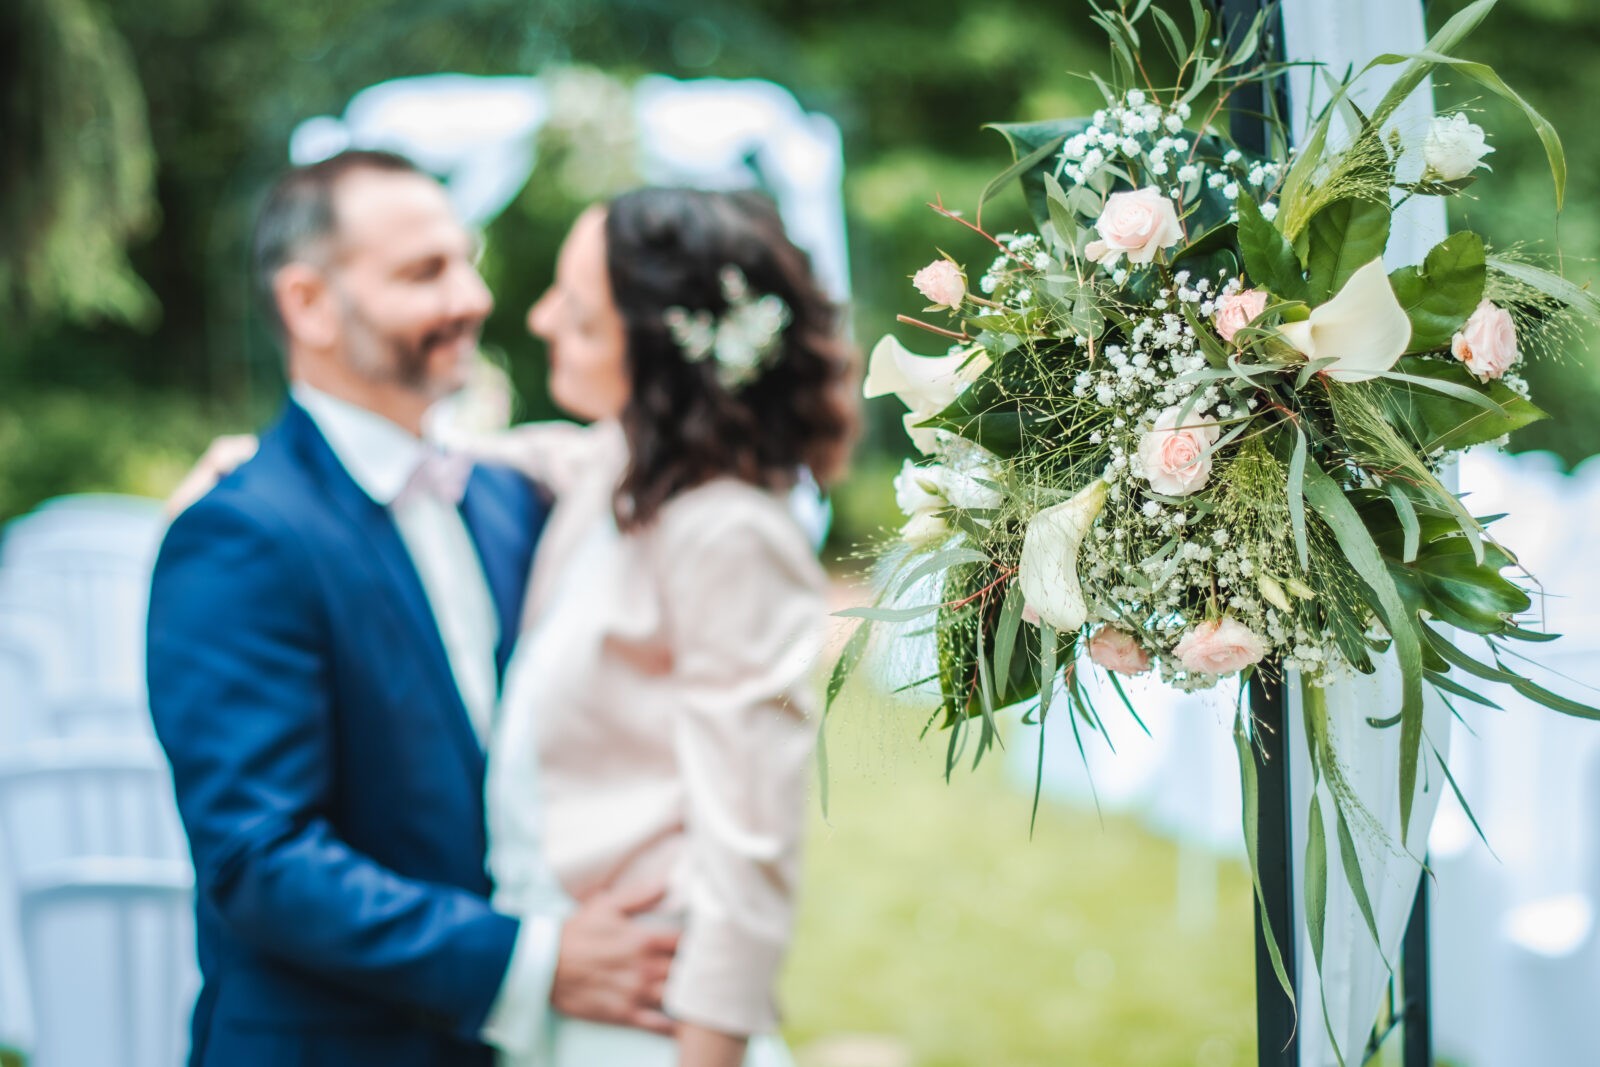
<point x="1219" y="646"/>
<point x="1487" y="343"/>
<point x="1173" y="458"/>
<point x="1116" y="650"/>
<point x="1138" y="223"/>
<point x="942" y="283"/>
<point x="1235" y="311"/>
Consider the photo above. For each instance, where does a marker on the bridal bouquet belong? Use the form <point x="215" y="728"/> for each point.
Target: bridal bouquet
<point x="1192" y="424"/>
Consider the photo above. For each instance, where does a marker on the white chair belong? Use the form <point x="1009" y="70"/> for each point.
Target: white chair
<point x="109" y="950"/>
<point x="104" y="895"/>
<point x="96" y="522"/>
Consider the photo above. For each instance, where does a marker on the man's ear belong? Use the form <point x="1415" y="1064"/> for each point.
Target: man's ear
<point x="306" y="304"/>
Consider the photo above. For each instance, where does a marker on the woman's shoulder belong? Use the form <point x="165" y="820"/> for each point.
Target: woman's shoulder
<point x="732" y="521"/>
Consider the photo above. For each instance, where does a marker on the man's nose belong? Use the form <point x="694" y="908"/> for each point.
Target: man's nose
<point x="470" y="297"/>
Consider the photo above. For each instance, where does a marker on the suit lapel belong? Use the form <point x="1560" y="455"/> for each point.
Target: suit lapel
<point x="386" y="554"/>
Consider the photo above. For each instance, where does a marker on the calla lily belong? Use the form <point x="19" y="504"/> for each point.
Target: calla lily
<point x="925" y="384"/>
<point x="1048" y="571"/>
<point x="1363" y="329"/>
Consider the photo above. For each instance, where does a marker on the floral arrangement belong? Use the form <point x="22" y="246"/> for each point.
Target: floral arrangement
<point x="1192" y="424"/>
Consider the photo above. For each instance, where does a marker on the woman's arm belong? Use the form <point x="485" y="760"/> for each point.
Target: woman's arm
<point x="743" y="595"/>
<point x="700" y="1046"/>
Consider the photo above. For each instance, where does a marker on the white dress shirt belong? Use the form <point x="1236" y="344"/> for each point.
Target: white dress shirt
<point x="384" y="459"/>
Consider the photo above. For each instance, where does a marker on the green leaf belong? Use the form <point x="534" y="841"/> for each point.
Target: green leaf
<point x="1451" y="34"/>
<point x="1459" y="586"/>
<point x="1005" y="635"/>
<point x="1329" y="501"/>
<point x="939" y="562"/>
<point x="1450" y="685"/>
<point x="1530" y="689"/>
<point x="1269" y="258"/>
<point x="849" y="659"/>
<point x="1443" y="419"/>
<point x="1550" y="284"/>
<point x="1344" y="237"/>
<point x="1485" y="76"/>
<point x="1250" y="793"/>
<point x="1033" y="142"/>
<point x="1351" y="863"/>
<point x="1409" y="523"/>
<point x="1316" y="878"/>
<point x="1439" y="295"/>
<point x="877" y="614"/>
<point x="1297" y="498"/>
<point x="994" y="411"/>
<point x="1061" y="217"/>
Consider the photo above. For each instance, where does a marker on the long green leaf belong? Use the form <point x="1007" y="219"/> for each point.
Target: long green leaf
<point x="843" y="667"/>
<point x="1550" y="284"/>
<point x="876" y="614"/>
<point x="1005" y="635"/>
<point x="1330" y="502"/>
<point x="1250" y="793"/>
<point x="939" y="562"/>
<point x="1451" y="34"/>
<point x="1297" y="498"/>
<point x="1485" y="76"/>
<point x="1017" y="170"/>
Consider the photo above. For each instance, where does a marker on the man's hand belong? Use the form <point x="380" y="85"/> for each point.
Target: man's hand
<point x="613" y="968"/>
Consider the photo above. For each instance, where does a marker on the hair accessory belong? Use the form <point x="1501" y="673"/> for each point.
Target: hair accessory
<point x="741" y="340"/>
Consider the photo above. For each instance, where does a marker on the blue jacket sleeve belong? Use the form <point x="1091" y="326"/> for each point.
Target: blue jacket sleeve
<point x="238" y="675"/>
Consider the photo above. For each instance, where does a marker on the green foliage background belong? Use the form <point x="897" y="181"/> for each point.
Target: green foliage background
<point x="175" y="114"/>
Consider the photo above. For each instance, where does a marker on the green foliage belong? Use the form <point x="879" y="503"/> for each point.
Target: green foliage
<point x="77" y="172"/>
<point x="1436" y="420"/>
<point x="1439" y="295"/>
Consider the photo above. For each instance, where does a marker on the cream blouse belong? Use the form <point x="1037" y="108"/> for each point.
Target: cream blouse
<point x="659" y="706"/>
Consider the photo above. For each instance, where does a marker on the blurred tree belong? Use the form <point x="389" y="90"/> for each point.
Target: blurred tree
<point x="76" y="176"/>
<point x="911" y="84"/>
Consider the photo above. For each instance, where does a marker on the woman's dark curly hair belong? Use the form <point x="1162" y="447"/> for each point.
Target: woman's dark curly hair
<point x="668" y="248"/>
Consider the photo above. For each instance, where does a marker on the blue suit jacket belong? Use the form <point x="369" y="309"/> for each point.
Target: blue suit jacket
<point x="329" y="779"/>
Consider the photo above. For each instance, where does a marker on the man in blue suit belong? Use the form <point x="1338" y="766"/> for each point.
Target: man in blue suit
<point x="328" y="631"/>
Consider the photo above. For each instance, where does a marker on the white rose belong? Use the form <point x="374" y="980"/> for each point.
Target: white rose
<point x="1454" y="148"/>
<point x="1137" y="224"/>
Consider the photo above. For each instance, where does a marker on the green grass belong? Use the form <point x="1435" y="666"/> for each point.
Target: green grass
<point x="929" y="915"/>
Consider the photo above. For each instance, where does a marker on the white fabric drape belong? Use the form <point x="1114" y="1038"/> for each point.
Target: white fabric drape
<point x="1346" y="36"/>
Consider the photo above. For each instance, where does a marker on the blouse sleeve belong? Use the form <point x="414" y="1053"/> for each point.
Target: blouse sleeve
<point x="745" y="605"/>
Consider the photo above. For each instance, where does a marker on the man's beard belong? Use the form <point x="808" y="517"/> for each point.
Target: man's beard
<point x="389" y="360"/>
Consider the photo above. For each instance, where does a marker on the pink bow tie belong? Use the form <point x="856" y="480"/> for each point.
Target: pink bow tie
<point x="441" y="475"/>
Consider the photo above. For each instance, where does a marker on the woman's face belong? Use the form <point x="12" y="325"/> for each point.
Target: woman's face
<point x="580" y="323"/>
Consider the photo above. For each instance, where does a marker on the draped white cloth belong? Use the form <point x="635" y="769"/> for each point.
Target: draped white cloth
<point x="479" y="134"/>
<point x="1354" y="974"/>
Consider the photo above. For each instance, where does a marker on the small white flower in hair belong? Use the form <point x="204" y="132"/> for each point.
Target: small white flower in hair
<point x="742" y="340"/>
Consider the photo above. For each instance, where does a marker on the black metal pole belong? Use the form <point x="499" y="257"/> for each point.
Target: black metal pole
<point x="1416" y="982"/>
<point x="1276" y="1042"/>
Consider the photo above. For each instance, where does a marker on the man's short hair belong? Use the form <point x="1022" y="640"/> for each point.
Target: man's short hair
<point x="298" y="214"/>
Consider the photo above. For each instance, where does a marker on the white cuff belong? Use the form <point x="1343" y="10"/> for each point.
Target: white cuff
<point x="518" y="1020"/>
